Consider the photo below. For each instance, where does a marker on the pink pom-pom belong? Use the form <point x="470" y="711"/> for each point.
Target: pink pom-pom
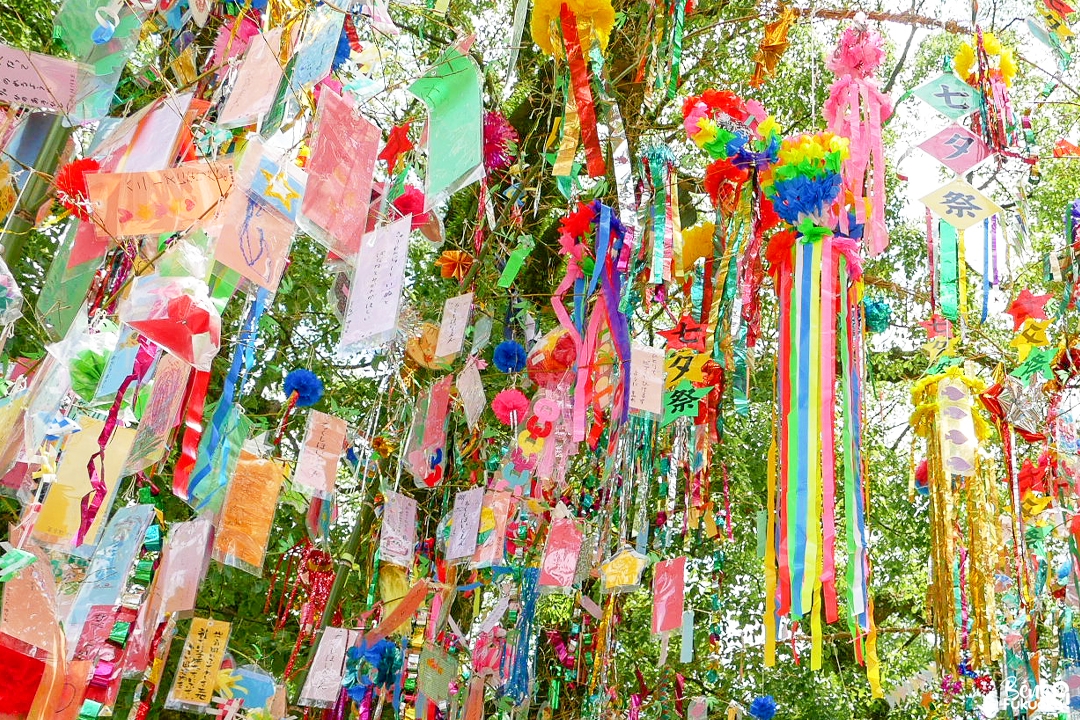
<point x="859" y="53"/>
<point x="510" y="406"/>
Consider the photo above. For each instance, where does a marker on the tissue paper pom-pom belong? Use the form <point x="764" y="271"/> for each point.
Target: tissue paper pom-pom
<point x="307" y="386"/>
<point x="859" y="53"/>
<point x="551" y="358"/>
<point x="510" y="404"/>
<point x="545" y="12"/>
<point x="723" y="180"/>
<point x="71" y="189"/>
<point x="878" y="313"/>
<point x="411" y="202"/>
<point x="763" y="707"/>
<point x="509" y="357"/>
<point x="499" y="134"/>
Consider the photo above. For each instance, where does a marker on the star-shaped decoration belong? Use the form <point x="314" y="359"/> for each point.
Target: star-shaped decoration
<point x="684" y="365"/>
<point x="1024" y="404"/>
<point x="936" y="325"/>
<point x="683" y="401"/>
<point x="1033" y="334"/>
<point x="687" y="333"/>
<point x="277" y="187"/>
<point x="1027" y="306"/>
<point x="622" y="571"/>
<point x="1039" y="360"/>
<point x="397" y="144"/>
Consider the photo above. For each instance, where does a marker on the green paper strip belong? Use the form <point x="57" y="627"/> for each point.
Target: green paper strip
<point x="948" y="271"/>
<point x="90" y="710"/>
<point x="119" y="633"/>
<point x="515" y="261"/>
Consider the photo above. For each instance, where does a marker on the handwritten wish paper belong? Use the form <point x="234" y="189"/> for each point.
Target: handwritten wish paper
<point x="375" y="291"/>
<point x="316" y="468"/>
<point x="161" y="414"/>
<point x="256" y="82"/>
<point x="465" y="525"/>
<point x="196" y="676"/>
<point x="669" y="588"/>
<point x="36" y="80"/>
<point x="323" y="684"/>
<point x="646" y="379"/>
<point x="151" y="203"/>
<point x="253" y="240"/>
<point x="340" y="173"/>
<point x="398" y="529"/>
<point x="470" y="388"/>
<point x="455" y="320"/>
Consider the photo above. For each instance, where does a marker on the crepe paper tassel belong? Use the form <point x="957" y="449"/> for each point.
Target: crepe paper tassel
<point x="509" y="356"/>
<point x="71" y="189"/>
<point x="990" y="67"/>
<point x="857" y="110"/>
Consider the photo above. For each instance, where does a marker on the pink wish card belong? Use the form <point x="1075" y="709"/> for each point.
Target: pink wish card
<point x="256" y="82"/>
<point x="36" y="80"/>
<point x="669" y="587"/>
<point x="340" y="174"/>
<point x="559" y="566"/>
<point x="316" y="468"/>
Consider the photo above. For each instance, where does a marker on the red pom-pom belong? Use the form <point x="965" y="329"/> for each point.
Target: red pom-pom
<point x="510" y="405"/>
<point x="71" y="189"/>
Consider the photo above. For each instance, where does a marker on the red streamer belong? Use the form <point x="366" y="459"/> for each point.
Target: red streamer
<point x="579" y="77"/>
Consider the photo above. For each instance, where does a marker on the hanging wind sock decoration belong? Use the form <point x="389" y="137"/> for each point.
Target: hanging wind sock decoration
<point x="856" y="110"/>
<point x="963" y="520"/>
<point x="818" y="280"/>
<point x="570" y="31"/>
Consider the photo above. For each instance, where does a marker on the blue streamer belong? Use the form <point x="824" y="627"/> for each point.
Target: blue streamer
<point x="518" y="685"/>
<point x="986" y="269"/>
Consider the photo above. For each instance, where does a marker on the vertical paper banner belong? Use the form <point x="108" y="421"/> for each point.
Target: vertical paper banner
<point x="196" y="675"/>
<point x="465" y="525"/>
<point x="161" y="414"/>
<point x="494" y="517"/>
<point x="451" y="92"/>
<point x="256" y="82"/>
<point x="956" y="427"/>
<point x="455" y="319"/>
<point x="647" y="379"/>
<point x="375" y="291"/>
<point x="559" y="566"/>
<point x="60" y="513"/>
<point x="470" y="389"/>
<point x="398" y="538"/>
<point x="324" y="440"/>
<point x="340" y="172"/>
<point x="184" y="561"/>
<point x="248" y="514"/>
<point x="323" y="684"/>
<point x="113" y="559"/>
<point x="669" y="586"/>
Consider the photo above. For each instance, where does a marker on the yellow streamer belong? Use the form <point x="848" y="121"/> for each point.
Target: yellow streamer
<point x="770" y="558"/>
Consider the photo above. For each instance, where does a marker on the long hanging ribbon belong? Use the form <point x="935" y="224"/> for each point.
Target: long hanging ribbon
<point x="930" y="260"/>
<point x="986" y="271"/>
<point x="579" y="76"/>
<point x="90" y="504"/>
<point x="826" y="426"/>
<point x="785" y="383"/>
<point x="242" y="362"/>
<point x="677" y="47"/>
<point x="189" y="450"/>
<point x="770" y="555"/>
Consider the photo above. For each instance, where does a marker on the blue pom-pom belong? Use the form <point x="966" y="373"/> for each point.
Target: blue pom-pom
<point x="510" y="356"/>
<point x="307" y="386"/>
<point x="878" y="313"/>
<point x="763" y="707"/>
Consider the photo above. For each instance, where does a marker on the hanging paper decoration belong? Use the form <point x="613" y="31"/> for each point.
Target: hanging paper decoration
<point x="985" y="64"/>
<point x="857" y="109"/>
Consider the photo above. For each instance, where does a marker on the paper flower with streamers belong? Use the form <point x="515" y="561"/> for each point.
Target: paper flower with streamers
<point x="71" y="189"/>
<point x="595" y="15"/>
<point x="366" y="667"/>
<point x="500" y="138"/>
<point x="806" y="177"/>
<point x="1000" y="58"/>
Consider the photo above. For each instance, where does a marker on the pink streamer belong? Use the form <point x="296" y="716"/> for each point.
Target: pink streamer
<point x="91" y="502"/>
